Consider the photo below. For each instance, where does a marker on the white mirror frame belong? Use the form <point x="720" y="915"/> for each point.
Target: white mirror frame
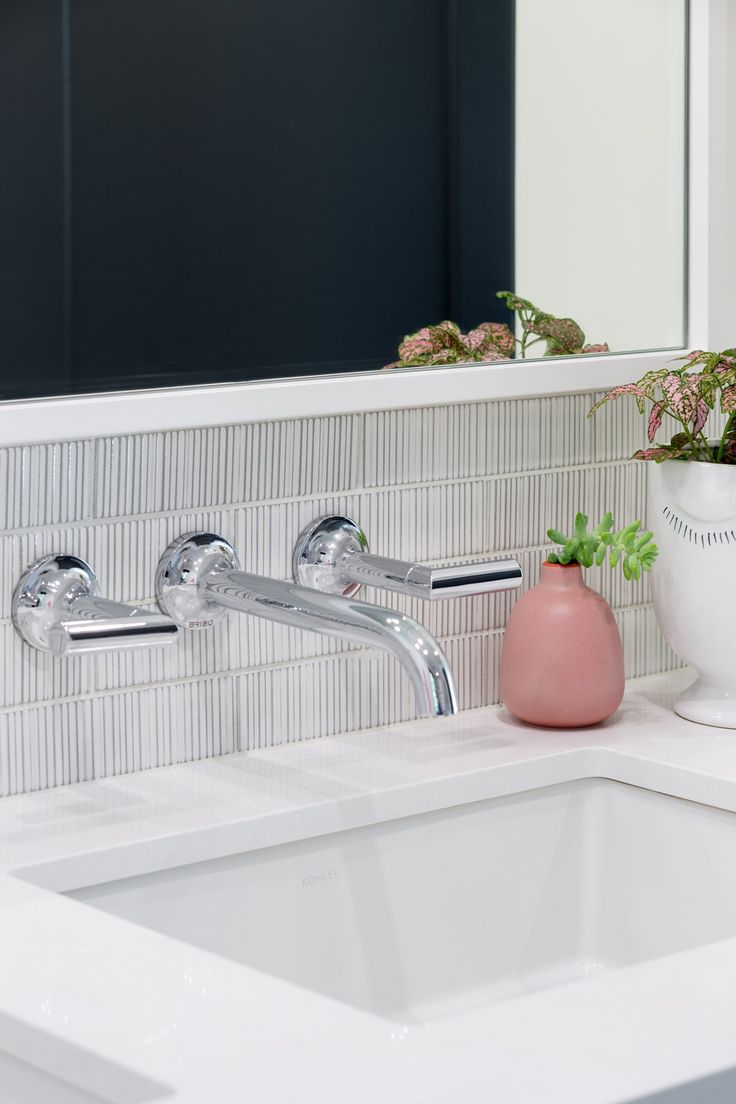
<point x="710" y="312"/>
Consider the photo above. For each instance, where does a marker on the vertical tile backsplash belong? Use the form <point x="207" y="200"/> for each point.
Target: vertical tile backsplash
<point x="433" y="483"/>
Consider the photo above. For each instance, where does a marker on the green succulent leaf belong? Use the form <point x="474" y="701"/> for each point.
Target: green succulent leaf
<point x="581" y="526"/>
<point x="605" y="525"/>
<point x="648" y="555"/>
<point x="585" y="557"/>
<point x="569" y="552"/>
<point x="633" y="549"/>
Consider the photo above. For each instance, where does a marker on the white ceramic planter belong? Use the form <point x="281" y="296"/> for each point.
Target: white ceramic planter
<point x="692" y="510"/>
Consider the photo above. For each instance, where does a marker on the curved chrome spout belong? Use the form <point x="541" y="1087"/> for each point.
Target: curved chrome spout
<point x="199" y="577"/>
<point x="358" y="622"/>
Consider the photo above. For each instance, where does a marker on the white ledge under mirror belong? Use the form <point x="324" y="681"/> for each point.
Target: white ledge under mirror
<point x="710" y="293"/>
<point x="77" y="416"/>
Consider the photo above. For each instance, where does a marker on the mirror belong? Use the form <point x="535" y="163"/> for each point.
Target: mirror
<point x="199" y="192"/>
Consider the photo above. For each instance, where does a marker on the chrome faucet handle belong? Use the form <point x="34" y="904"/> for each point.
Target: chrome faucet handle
<point x="57" y="608"/>
<point x="180" y="577"/>
<point x="332" y="555"/>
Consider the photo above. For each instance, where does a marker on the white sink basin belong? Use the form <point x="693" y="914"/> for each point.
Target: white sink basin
<point x="425" y="917"/>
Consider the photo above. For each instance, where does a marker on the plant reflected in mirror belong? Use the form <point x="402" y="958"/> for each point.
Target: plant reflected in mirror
<point x="445" y="343"/>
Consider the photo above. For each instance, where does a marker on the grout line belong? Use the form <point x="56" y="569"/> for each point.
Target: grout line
<point x="363" y="457"/>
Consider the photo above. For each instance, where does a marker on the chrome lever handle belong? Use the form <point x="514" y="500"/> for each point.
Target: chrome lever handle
<point x="423" y="581"/>
<point x="57" y="608"/>
<point x="332" y="555"/>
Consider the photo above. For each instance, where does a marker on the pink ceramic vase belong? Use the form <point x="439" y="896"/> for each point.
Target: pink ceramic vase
<point x="562" y="664"/>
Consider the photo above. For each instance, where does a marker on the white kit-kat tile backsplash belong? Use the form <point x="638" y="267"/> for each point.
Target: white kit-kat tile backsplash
<point x="436" y="483"/>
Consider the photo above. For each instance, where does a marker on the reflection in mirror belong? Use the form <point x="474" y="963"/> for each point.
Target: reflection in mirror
<point x="600" y="165"/>
<point x="200" y="192"/>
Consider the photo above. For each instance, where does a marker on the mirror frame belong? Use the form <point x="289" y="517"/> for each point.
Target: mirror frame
<point x="711" y="289"/>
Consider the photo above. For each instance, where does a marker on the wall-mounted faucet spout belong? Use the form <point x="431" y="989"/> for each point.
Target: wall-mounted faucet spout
<point x="198" y="579"/>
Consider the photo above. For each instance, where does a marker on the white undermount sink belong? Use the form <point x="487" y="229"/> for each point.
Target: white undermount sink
<point x="428" y="916"/>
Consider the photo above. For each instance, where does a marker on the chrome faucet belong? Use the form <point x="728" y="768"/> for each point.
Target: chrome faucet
<point x="332" y="555"/>
<point x="199" y="580"/>
<point x="57" y="608"/>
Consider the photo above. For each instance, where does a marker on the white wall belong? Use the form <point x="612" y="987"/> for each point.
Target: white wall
<point x="600" y="155"/>
<point x="731" y="174"/>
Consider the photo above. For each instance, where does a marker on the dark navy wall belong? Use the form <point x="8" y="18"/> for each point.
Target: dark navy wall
<point x="31" y="188"/>
<point x="204" y="190"/>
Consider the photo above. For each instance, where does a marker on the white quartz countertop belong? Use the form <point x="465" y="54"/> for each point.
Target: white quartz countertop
<point x="135" y="1015"/>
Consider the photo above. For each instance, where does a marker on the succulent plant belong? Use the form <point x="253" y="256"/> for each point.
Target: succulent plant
<point x="634" y="550"/>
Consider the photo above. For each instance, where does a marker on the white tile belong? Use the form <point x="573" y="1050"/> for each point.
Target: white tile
<point x="455" y="482"/>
